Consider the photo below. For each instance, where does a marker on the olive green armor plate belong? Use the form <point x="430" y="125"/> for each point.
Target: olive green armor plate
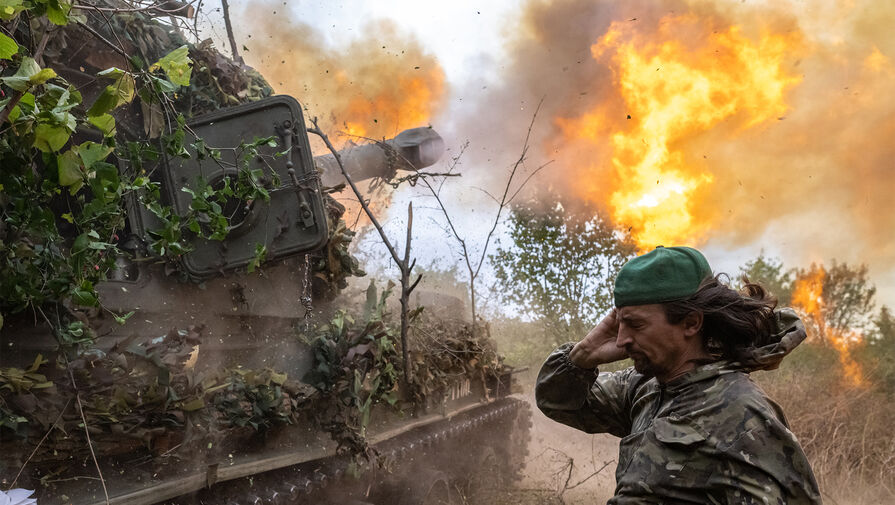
<point x="291" y="222"/>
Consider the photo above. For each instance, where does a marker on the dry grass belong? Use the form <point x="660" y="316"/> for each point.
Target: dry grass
<point x="846" y="431"/>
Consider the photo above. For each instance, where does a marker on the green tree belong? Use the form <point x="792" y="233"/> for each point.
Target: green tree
<point x="845" y="300"/>
<point x="880" y="350"/>
<point x="884" y="333"/>
<point x="769" y="272"/>
<point x="561" y="267"/>
<point x="836" y="302"/>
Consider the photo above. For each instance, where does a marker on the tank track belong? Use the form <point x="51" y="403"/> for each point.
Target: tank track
<point x="444" y="446"/>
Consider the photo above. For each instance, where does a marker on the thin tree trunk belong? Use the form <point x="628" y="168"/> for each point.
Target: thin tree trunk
<point x="230" y="36"/>
<point x="472" y="301"/>
<point x="405" y="295"/>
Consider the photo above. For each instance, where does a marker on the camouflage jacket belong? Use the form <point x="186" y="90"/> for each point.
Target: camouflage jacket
<point x="709" y="436"/>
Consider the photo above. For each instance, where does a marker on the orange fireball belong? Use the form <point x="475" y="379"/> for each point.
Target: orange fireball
<point x="807" y="296"/>
<point x="676" y="83"/>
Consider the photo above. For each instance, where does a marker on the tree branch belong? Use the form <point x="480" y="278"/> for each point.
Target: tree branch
<point x="86" y="430"/>
<point x="503" y="200"/>
<point x="403" y="264"/>
<point x="52" y="426"/>
<point x="4" y="114"/>
<point x="226" y="8"/>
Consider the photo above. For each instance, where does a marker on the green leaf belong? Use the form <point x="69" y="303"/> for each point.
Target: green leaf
<point x="105" y="102"/>
<point x="260" y="255"/>
<point x="92" y="152"/>
<point x="27" y="99"/>
<point x="14" y="114"/>
<point x="41" y="77"/>
<point x="8" y="46"/>
<point x="278" y="378"/>
<point x="49" y="137"/>
<point x="137" y="62"/>
<point x="85" y="297"/>
<point x="176" y="65"/>
<point x="20" y="80"/>
<point x="10" y="9"/>
<point x="61" y="100"/>
<point x="118" y="93"/>
<point x="57" y="12"/>
<point x="163" y="85"/>
<point x="105" y="123"/>
<point x="69" y="169"/>
<point x="80" y="244"/>
<point x="123" y="319"/>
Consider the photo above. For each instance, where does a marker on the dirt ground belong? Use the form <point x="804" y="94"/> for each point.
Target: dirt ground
<point x="554" y="450"/>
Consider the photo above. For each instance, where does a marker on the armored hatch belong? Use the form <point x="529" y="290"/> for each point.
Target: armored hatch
<point x="291" y="222"/>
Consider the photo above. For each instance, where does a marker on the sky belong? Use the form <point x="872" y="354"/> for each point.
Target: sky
<point x="769" y="129"/>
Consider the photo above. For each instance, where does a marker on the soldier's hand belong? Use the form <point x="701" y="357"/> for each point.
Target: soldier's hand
<point x="598" y="347"/>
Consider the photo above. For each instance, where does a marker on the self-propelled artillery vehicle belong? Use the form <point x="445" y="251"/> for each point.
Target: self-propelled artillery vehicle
<point x="218" y="388"/>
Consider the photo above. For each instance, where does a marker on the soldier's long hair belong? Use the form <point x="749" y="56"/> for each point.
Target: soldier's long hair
<point x="731" y="320"/>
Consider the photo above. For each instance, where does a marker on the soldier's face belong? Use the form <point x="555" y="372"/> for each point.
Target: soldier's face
<point x="658" y="348"/>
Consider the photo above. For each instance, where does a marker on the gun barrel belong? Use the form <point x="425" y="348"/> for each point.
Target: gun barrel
<point x="411" y="149"/>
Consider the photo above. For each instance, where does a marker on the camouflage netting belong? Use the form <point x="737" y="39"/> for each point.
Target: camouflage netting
<point x="142" y="396"/>
<point x="150" y="399"/>
<point x="217" y="81"/>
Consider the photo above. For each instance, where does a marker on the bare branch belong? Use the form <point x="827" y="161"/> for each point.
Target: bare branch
<point x="415" y="177"/>
<point x="413" y="286"/>
<point x="404" y="265"/>
<point x="521" y="186"/>
<point x="108" y="19"/>
<point x="492" y="197"/>
<point x="196" y="19"/>
<point x="52" y="427"/>
<point x="473" y="270"/>
<point x="86" y="430"/>
<point x="503" y="200"/>
<point x="226" y="8"/>
<point x="363" y="203"/>
<point x="104" y="40"/>
<point x="582" y="481"/>
<point x="454" y="162"/>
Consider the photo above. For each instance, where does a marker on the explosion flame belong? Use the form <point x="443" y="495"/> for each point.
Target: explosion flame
<point x="675" y="84"/>
<point x="808" y="297"/>
<point x="374" y="86"/>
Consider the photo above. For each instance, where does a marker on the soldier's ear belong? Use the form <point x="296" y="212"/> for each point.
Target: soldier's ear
<point x="692" y="323"/>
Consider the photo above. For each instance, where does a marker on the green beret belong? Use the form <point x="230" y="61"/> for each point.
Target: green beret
<point x="662" y="275"/>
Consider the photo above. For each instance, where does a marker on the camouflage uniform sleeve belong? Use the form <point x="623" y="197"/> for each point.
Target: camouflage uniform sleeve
<point x="580" y="398"/>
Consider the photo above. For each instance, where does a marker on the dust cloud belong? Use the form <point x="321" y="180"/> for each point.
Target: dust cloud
<point x="576" y="466"/>
<point x="376" y="85"/>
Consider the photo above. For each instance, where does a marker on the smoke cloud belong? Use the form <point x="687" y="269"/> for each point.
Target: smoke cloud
<point x="378" y="84"/>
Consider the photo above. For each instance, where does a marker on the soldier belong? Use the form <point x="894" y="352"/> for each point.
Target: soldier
<point x="694" y="427"/>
